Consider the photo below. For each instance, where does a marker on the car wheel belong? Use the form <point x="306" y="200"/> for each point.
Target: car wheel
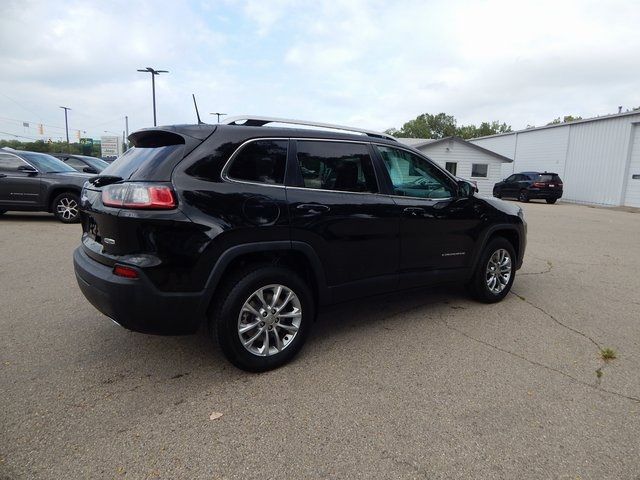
<point x="66" y="207"/>
<point x="2" y="212"/>
<point x="551" y="200"/>
<point x="495" y="272"/>
<point x="262" y="317"/>
<point x="497" y="194"/>
<point x="523" y="196"/>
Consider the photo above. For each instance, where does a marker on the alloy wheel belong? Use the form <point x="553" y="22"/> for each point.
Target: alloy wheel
<point x="269" y="320"/>
<point x="498" y="271"/>
<point x="67" y="208"/>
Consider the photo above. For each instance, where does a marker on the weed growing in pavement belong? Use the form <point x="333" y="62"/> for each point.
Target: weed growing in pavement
<point x="608" y="353"/>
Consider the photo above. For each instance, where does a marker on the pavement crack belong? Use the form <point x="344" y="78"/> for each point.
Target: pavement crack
<point x="564" y="325"/>
<point x="596" y="386"/>
<point x="549" y="268"/>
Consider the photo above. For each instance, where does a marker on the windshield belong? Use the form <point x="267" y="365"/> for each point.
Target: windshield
<point x="146" y="163"/>
<point x="46" y="163"/>
<point x="97" y="163"/>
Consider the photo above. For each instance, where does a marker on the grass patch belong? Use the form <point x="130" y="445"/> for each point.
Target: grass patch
<point x="599" y="373"/>
<point x="608" y="353"/>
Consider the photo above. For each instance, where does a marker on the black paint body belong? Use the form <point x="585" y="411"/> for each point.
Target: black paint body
<point x="346" y="245"/>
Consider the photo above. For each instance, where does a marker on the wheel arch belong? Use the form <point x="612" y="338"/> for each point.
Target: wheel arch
<point x="57" y="190"/>
<point x="510" y="232"/>
<point x="298" y="256"/>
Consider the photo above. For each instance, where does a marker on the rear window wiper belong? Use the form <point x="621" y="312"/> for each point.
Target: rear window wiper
<point x="102" y="180"/>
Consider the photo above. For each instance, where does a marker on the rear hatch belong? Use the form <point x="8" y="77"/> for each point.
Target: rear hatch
<point x="548" y="182"/>
<point x="130" y="212"/>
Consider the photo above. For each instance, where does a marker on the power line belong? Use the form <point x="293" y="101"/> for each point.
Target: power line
<point x="29" y="138"/>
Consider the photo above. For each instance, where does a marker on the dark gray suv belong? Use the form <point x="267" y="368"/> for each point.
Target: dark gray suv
<point x="37" y="182"/>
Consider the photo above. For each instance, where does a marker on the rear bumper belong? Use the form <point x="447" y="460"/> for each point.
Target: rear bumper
<point x="136" y="304"/>
<point x="544" y="194"/>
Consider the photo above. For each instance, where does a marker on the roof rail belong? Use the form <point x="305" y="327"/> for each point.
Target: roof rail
<point x="252" y="121"/>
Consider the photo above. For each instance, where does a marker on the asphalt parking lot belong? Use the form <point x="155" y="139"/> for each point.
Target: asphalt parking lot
<point x="425" y="384"/>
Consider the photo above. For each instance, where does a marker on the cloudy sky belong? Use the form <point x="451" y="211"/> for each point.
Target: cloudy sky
<point x="369" y="63"/>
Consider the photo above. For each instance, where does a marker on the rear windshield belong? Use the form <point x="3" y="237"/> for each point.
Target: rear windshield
<point x="146" y="163"/>
<point x="548" y="177"/>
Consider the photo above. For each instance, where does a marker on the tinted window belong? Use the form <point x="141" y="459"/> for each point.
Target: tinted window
<point x="479" y="169"/>
<point x="96" y="163"/>
<point x="9" y="163"/>
<point x="75" y="163"/>
<point x="414" y="176"/>
<point x="549" y="177"/>
<point x="262" y="161"/>
<point x="336" y="166"/>
<point x="141" y="163"/>
<point x="46" y="163"/>
<point x="512" y="178"/>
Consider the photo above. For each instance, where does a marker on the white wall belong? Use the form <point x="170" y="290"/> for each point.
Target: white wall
<point x="465" y="156"/>
<point x="592" y="157"/>
<point x="632" y="191"/>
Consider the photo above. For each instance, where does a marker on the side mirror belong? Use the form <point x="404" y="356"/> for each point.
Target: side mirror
<point x="465" y="189"/>
<point x="27" y="169"/>
<point x="89" y="170"/>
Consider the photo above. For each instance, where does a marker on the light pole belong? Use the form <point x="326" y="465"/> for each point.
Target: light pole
<point x="153" y="87"/>
<point x="218" y="114"/>
<point x="66" y="124"/>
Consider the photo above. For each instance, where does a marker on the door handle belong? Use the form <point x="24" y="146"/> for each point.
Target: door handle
<point x="414" y="211"/>
<point x="313" y="208"/>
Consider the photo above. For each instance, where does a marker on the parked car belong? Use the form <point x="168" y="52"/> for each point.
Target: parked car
<point x="82" y="163"/>
<point x="527" y="186"/>
<point x="31" y="181"/>
<point x="250" y="229"/>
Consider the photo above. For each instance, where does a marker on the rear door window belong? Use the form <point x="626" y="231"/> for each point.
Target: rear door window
<point x="340" y="166"/>
<point x="260" y="161"/>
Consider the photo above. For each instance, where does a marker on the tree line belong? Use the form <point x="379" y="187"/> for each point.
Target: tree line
<point x="442" y="125"/>
<point x="53" y="147"/>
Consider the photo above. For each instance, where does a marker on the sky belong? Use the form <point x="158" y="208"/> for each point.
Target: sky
<point x="366" y="63"/>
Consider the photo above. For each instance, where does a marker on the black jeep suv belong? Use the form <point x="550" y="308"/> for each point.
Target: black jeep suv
<point x="527" y="186"/>
<point x="250" y="228"/>
<point x="32" y="181"/>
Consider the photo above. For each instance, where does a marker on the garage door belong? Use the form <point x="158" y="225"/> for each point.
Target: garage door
<point x="632" y="195"/>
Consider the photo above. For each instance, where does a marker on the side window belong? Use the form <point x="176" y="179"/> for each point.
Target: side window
<point x="340" y="166"/>
<point x="414" y="176"/>
<point x="512" y="178"/>
<point x="75" y="163"/>
<point x="479" y="170"/>
<point x="262" y="161"/>
<point x="9" y="163"/>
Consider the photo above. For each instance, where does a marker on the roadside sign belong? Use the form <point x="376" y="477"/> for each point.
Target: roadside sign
<point x="110" y="146"/>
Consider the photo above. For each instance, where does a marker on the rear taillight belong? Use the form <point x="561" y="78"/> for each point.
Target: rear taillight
<point x="126" y="272"/>
<point x="139" y="195"/>
<point x="539" y="184"/>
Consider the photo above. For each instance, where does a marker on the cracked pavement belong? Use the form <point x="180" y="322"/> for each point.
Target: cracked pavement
<point x="421" y="384"/>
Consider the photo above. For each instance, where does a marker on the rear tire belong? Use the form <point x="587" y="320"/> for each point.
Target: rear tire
<point x="551" y="201"/>
<point x="66" y="207"/>
<point x="246" y="299"/>
<point x="523" y="196"/>
<point x="494" y="260"/>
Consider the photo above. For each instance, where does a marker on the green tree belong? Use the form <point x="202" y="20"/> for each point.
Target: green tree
<point x="442" y="125"/>
<point x="428" y="126"/>
<point x="565" y="119"/>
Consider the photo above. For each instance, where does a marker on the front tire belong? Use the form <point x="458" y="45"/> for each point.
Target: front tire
<point x="262" y="316"/>
<point x="495" y="272"/>
<point x="66" y="207"/>
<point x="497" y="194"/>
<point x="551" y="201"/>
<point x="523" y="196"/>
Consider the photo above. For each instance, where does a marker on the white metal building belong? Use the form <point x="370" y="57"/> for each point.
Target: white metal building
<point x="463" y="159"/>
<point x="598" y="159"/>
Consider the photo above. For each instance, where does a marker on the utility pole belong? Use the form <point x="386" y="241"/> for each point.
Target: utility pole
<point x="153" y="87"/>
<point x="126" y="127"/>
<point x="66" y="126"/>
<point x="218" y="114"/>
